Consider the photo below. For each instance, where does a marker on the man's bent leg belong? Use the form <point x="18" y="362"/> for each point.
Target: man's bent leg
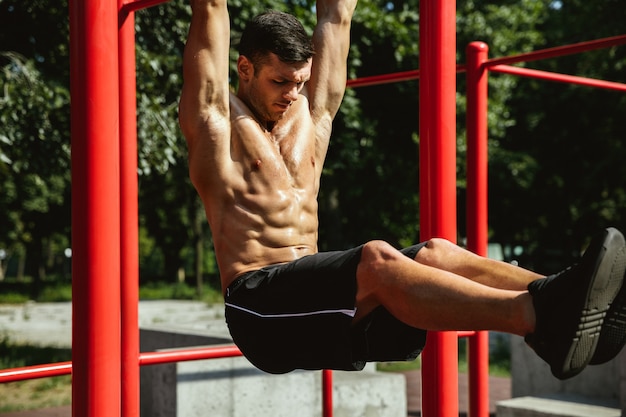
<point x="435" y="299"/>
<point x="443" y="254"/>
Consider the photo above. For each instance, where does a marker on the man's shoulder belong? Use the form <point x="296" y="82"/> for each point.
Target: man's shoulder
<point x="237" y="105"/>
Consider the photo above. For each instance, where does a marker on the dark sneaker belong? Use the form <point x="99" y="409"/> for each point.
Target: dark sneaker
<point x="570" y="306"/>
<point x="613" y="333"/>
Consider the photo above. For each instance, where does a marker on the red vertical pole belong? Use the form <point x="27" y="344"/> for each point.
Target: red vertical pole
<point x="438" y="184"/>
<point x="129" y="243"/>
<point x="95" y="209"/>
<point x="327" y="393"/>
<point x="477" y="226"/>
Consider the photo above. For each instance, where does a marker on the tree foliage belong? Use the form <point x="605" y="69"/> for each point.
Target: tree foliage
<point x="555" y="150"/>
<point x="556" y="174"/>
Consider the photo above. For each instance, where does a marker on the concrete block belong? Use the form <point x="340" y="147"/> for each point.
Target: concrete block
<point x="368" y="394"/>
<point x="232" y="387"/>
<point x="531" y="376"/>
<point x="553" y="407"/>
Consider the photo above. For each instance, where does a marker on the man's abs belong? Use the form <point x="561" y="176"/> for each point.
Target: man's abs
<point x="263" y="217"/>
<point x="246" y="243"/>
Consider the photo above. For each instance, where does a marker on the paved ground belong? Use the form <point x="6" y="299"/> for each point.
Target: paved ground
<point x="499" y="389"/>
<point x="49" y="324"/>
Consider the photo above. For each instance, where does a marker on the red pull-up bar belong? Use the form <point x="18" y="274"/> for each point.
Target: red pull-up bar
<point x="437" y="95"/>
<point x="95" y="208"/>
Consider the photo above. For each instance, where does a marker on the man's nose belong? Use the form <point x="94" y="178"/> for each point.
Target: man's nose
<point x="292" y="93"/>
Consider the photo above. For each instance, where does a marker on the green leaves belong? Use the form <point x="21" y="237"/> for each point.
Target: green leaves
<point x="556" y="151"/>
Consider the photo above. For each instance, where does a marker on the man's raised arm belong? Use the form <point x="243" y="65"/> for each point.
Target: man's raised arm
<point x="204" y="108"/>
<point x="332" y="43"/>
<point x="327" y="85"/>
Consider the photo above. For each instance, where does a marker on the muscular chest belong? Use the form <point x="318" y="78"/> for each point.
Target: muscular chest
<point x="283" y="157"/>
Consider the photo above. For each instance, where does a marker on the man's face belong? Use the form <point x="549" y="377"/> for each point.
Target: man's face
<point x="275" y="86"/>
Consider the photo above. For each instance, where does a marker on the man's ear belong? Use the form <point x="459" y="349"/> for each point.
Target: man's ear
<point x="245" y="69"/>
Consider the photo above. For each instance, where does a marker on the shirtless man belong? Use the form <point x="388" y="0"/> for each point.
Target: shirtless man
<point x="255" y="158"/>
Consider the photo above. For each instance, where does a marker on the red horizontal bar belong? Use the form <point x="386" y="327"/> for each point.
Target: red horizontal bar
<point x="466" y="333"/>
<point x="559" y="51"/>
<point x="562" y="78"/>
<point x="135" y="5"/>
<point x="155" y="358"/>
<point x="35" y="372"/>
<point x="146" y="358"/>
<point x="383" y="79"/>
<point x="497" y="65"/>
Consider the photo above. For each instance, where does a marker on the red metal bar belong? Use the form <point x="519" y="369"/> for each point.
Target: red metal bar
<point x="496" y="62"/>
<point x="95" y="209"/>
<point x="438" y="184"/>
<point x="327" y="393"/>
<point x="560" y="50"/>
<point x="437" y="120"/>
<point x="478" y="370"/>
<point x="563" y="78"/>
<point x="383" y="79"/>
<point x="129" y="223"/>
<point x="477" y="224"/>
<point x="156" y="358"/>
<point x="133" y="6"/>
<point x="476" y="120"/>
<point x="146" y="358"/>
<point x="35" y="371"/>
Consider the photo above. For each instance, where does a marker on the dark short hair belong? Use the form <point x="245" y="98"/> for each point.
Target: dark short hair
<point x="276" y="32"/>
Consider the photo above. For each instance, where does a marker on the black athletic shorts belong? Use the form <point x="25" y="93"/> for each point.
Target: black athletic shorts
<point x="298" y="315"/>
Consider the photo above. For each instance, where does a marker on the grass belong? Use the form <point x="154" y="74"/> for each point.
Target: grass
<point x="495" y="369"/>
<point x="178" y="291"/>
<point x="57" y="391"/>
<point x="13" y="298"/>
<point x="150" y="291"/>
<point x="36" y="393"/>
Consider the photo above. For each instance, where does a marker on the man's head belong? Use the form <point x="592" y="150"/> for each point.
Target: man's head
<point x="278" y="33"/>
<point x="275" y="56"/>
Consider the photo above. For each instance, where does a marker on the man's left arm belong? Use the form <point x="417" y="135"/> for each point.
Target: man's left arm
<point x="327" y="85"/>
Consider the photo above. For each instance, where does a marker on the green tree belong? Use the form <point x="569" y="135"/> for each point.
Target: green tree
<point x="548" y="179"/>
<point x="508" y="28"/>
<point x="564" y="180"/>
<point x="34" y="140"/>
<point x="370" y="182"/>
<point x="34" y="164"/>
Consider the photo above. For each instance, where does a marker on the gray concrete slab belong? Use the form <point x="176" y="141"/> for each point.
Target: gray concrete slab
<point x="555" y="407"/>
<point x="50" y="324"/>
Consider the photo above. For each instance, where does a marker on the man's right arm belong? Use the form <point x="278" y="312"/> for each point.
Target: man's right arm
<point x="204" y="111"/>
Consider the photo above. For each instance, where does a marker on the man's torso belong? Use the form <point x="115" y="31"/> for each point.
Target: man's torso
<point x="261" y="195"/>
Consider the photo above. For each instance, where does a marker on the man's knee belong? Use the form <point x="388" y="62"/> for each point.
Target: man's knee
<point x="440" y="244"/>
<point x="372" y="272"/>
<point x="376" y="253"/>
<point x="435" y="251"/>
